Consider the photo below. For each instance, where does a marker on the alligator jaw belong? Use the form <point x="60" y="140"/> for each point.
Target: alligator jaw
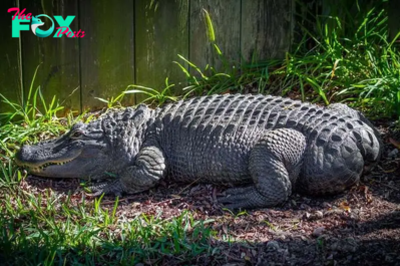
<point x="39" y="168"/>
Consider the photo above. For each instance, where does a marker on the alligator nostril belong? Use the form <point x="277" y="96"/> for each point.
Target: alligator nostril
<point x="22" y="154"/>
<point x="24" y="149"/>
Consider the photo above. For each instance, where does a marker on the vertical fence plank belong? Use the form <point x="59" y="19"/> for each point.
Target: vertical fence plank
<point x="394" y="19"/>
<point x="107" y="57"/>
<point x="267" y="28"/>
<point x="58" y="74"/>
<point x="10" y="85"/>
<point x="161" y="33"/>
<point x="225" y="16"/>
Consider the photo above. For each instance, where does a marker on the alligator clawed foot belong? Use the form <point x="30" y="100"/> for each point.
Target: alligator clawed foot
<point x="235" y="198"/>
<point x="249" y="197"/>
<point x="106" y="188"/>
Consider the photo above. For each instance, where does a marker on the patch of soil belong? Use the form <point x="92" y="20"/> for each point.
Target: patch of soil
<point x="358" y="227"/>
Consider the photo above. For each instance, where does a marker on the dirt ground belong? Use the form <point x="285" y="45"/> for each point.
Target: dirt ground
<point x="358" y="227"/>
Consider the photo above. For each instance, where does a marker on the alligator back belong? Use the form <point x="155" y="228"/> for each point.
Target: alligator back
<point x="211" y="138"/>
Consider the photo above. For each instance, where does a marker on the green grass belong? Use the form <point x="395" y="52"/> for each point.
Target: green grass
<point x="48" y="229"/>
<point x="354" y="63"/>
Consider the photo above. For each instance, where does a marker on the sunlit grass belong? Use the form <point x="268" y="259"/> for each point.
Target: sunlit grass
<point x="48" y="229"/>
<point x="360" y="66"/>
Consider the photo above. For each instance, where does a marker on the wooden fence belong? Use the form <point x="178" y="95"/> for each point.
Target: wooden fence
<point x="135" y="42"/>
<point x="130" y="42"/>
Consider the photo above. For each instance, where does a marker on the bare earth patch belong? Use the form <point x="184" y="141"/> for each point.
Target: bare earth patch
<point x="358" y="227"/>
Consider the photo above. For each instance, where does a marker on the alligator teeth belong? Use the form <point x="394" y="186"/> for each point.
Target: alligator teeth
<point x="51" y="163"/>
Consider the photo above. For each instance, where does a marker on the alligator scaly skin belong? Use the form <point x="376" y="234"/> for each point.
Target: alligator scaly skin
<point x="271" y="143"/>
<point x="265" y="146"/>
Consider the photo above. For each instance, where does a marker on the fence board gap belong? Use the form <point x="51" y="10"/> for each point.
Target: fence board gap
<point x="161" y="33"/>
<point x="266" y="29"/>
<point x="107" y="59"/>
<point x="58" y="74"/>
<point x="225" y="16"/>
<point x="10" y="85"/>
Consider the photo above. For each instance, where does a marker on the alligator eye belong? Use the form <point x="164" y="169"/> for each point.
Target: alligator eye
<point x="76" y="135"/>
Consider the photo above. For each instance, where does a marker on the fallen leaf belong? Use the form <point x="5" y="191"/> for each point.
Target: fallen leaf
<point x="345" y="206"/>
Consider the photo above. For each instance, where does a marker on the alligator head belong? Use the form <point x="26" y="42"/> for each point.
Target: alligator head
<point x="91" y="150"/>
<point x="78" y="153"/>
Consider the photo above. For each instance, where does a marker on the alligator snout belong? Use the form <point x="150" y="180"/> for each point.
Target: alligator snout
<point x="23" y="155"/>
<point x="32" y="155"/>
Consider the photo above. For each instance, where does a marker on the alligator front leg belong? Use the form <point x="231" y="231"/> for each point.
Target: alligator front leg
<point x="148" y="169"/>
<point x="274" y="165"/>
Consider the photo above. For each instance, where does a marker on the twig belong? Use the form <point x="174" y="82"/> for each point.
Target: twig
<point x="183" y="189"/>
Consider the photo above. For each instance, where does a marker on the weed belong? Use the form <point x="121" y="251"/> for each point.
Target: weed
<point x="350" y="64"/>
<point x="155" y="96"/>
<point x="113" y="101"/>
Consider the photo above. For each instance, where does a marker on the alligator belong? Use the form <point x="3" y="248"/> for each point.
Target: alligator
<point x="264" y="147"/>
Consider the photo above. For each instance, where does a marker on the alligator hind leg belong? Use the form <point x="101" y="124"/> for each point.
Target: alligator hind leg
<point x="274" y="165"/>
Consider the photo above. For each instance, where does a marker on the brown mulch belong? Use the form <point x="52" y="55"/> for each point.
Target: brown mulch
<point x="358" y="227"/>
